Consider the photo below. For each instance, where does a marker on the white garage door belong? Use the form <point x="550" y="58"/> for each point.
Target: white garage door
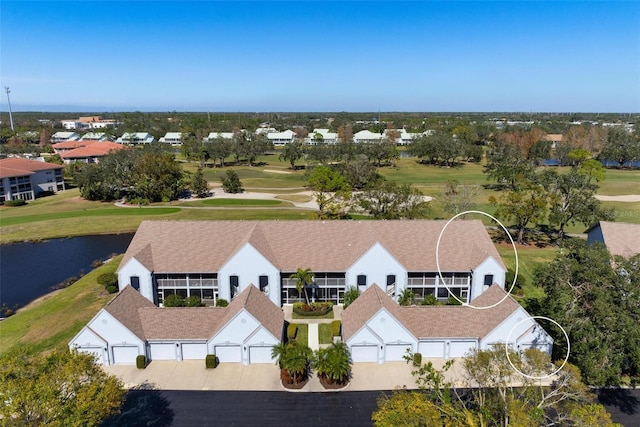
<point x="125" y="355"/>
<point x="396" y="352"/>
<point x="260" y="354"/>
<point x="460" y="348"/>
<point x="96" y="352"/>
<point x="163" y="351"/>
<point x="364" y="353"/>
<point x="194" y="351"/>
<point x="228" y="353"/>
<point x="431" y="349"/>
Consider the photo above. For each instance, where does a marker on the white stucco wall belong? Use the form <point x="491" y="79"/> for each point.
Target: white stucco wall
<point x="488" y="266"/>
<point x="526" y="332"/>
<point x="376" y="263"/>
<point x="134" y="268"/>
<point x="249" y="264"/>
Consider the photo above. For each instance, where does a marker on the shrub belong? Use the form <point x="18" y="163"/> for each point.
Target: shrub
<point x="350" y="296"/>
<point x="15" y="202"/>
<point x="112" y="289"/>
<point x="292" y="331"/>
<point x="417" y="359"/>
<point x="335" y="328"/>
<point x="453" y="301"/>
<point x="193" y="301"/>
<point x="221" y="302"/>
<point x="174" y="301"/>
<point x="108" y="279"/>
<point x="231" y="182"/>
<point x="211" y="361"/>
<point x="429" y="300"/>
<point x="314" y="309"/>
<point x="141" y="361"/>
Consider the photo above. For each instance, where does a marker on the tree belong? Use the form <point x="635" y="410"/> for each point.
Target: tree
<point x="220" y="148"/>
<point x="231" y="182"/>
<point x="199" y="184"/>
<point x="621" y="147"/>
<point x="359" y="172"/>
<point x="507" y="164"/>
<point x="294" y="360"/>
<point x="303" y="278"/>
<point x="157" y="176"/>
<point x="571" y="199"/>
<point x="389" y="200"/>
<point x="383" y="151"/>
<point x="292" y="152"/>
<point x="595" y="298"/>
<point x="406" y="297"/>
<point x="459" y="198"/>
<point x="333" y="363"/>
<point x="407" y="408"/>
<point x="58" y="389"/>
<point x="440" y="146"/>
<point x="350" y="295"/>
<point x="522" y="206"/>
<point x="331" y="191"/>
<point x="255" y="146"/>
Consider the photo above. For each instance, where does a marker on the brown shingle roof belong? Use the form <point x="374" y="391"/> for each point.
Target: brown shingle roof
<point x="124" y="307"/>
<point x="20" y="167"/>
<point x="180" y="323"/>
<point x="204" y="246"/>
<point x="432" y="321"/>
<point x="259" y="306"/>
<point x="621" y="238"/>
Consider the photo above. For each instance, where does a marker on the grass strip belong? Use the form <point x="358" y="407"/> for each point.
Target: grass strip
<point x="4" y="222"/>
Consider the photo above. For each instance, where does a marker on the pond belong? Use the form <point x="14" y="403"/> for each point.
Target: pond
<point x="30" y="270"/>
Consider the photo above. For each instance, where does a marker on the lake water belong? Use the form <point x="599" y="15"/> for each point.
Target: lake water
<point x="30" y="270"/>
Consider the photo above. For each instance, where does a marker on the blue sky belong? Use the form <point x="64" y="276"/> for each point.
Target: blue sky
<point x="321" y="56"/>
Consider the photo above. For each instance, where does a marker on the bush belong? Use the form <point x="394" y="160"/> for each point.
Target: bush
<point x="221" y="302"/>
<point x="193" y="301"/>
<point x="453" y="301"/>
<point x="429" y="300"/>
<point x="350" y="296"/>
<point x="231" y="182"/>
<point x="211" y="361"/>
<point x="335" y="328"/>
<point x="15" y="202"/>
<point x="108" y="279"/>
<point x="174" y="301"/>
<point x="292" y="331"/>
<point x="417" y="359"/>
<point x="314" y="309"/>
<point x="141" y="361"/>
<point x="112" y="289"/>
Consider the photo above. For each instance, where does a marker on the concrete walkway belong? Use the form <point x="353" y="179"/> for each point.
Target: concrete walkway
<point x="314" y="341"/>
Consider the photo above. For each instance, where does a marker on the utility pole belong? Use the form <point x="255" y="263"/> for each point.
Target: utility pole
<point x="6" y="88"/>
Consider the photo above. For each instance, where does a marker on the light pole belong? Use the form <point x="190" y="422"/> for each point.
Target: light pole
<point x="6" y="88"/>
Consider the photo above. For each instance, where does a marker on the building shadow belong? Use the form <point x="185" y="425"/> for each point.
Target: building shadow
<point x="144" y="406"/>
<point x="624" y="400"/>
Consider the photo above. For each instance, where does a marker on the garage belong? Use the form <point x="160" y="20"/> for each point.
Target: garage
<point x="228" y="353"/>
<point x="194" y="351"/>
<point x="460" y="348"/>
<point x="125" y="355"/>
<point x="96" y="352"/>
<point x="162" y="351"/>
<point x="430" y="349"/>
<point x="396" y="352"/>
<point x="364" y="353"/>
<point x="260" y="354"/>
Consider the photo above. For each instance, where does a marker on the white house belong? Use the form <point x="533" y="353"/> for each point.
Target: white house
<point x="25" y="179"/>
<point x="136" y="138"/>
<point x="376" y="329"/>
<point x="281" y="138"/>
<point x="216" y="135"/>
<point x="220" y="259"/>
<point x="173" y="138"/>
<point x="130" y="325"/>
<point x="322" y="136"/>
<point x="97" y="136"/>
<point x="366" y="136"/>
<point x="620" y="238"/>
<point x="64" y="136"/>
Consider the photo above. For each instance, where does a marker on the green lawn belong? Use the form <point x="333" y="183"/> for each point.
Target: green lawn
<point x="303" y="333"/>
<point x="52" y="321"/>
<point x="324" y="333"/>
<point x="528" y="260"/>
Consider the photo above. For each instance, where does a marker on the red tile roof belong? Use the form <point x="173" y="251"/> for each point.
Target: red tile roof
<point x="20" y="167"/>
<point x="92" y="149"/>
<point x="69" y="145"/>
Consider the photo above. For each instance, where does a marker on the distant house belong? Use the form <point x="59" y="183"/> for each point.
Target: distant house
<point x="130" y="325"/>
<point x="321" y="136"/>
<point x="554" y="139"/>
<point x="64" y="136"/>
<point x="366" y="136"/>
<point x="136" y="138"/>
<point x="620" y="238"/>
<point x="279" y="139"/>
<point x="173" y="138"/>
<point x="376" y="329"/>
<point x="97" y="136"/>
<point x="216" y="135"/>
<point x="90" y="152"/>
<point x="26" y="179"/>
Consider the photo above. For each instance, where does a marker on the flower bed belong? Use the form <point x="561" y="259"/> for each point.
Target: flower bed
<point x="313" y="309"/>
<point x="330" y="385"/>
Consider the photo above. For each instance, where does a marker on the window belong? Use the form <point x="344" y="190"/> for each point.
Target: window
<point x="488" y="279"/>
<point x="362" y="281"/>
<point x="391" y="279"/>
<point x="264" y="283"/>
<point x="134" y="281"/>
<point x="233" y="285"/>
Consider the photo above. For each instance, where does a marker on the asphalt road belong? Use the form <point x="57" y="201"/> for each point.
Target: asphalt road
<point x="154" y="408"/>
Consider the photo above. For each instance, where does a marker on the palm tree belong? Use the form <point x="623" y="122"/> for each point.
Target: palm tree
<point x="406" y="297"/>
<point x="303" y="278"/>
<point x="334" y="363"/>
<point x="293" y="359"/>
